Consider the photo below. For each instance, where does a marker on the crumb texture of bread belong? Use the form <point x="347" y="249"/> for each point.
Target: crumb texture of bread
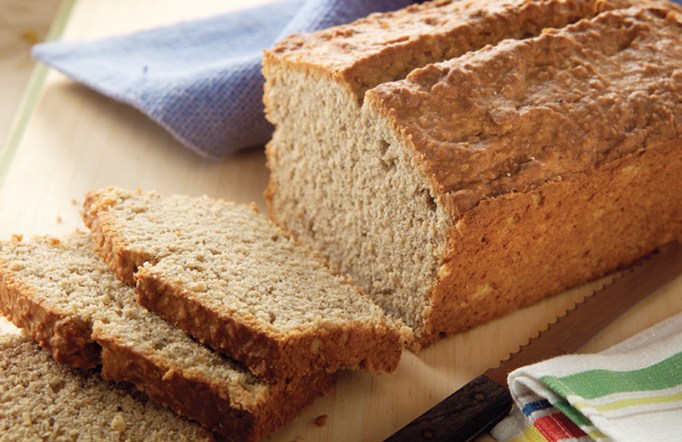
<point x="65" y="277"/>
<point x="30" y="277"/>
<point x="471" y="181"/>
<point x="45" y="400"/>
<point x="229" y="277"/>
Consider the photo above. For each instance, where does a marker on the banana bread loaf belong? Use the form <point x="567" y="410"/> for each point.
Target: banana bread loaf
<point x="62" y="295"/>
<point x="489" y="180"/>
<point x="232" y="279"/>
<point x="44" y="400"/>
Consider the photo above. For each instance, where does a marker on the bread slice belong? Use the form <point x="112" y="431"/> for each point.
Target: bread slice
<point x="493" y="178"/>
<point x="230" y="278"/>
<point x="44" y="400"/>
<point x="67" y="299"/>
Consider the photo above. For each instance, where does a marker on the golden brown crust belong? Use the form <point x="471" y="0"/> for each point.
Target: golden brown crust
<point x="197" y="398"/>
<point x="271" y="187"/>
<point x="559" y="235"/>
<point x="387" y="46"/>
<point x="65" y="336"/>
<point x="111" y="248"/>
<point x="190" y="398"/>
<point x="556" y="116"/>
<point x="285" y="403"/>
<point x="527" y="111"/>
<point x="271" y="358"/>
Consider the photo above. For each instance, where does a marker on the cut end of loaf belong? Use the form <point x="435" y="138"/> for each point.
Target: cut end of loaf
<point x="367" y="199"/>
<point x="385" y="186"/>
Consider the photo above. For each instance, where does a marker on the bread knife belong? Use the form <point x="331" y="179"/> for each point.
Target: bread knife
<point x="480" y="404"/>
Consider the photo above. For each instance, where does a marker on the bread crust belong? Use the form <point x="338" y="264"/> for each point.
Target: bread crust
<point x="386" y="47"/>
<point x="109" y="246"/>
<point x="557" y="236"/>
<point x="65" y="336"/>
<point x="507" y="250"/>
<point x="192" y="398"/>
<point x="527" y="111"/>
<point x="197" y="398"/>
<point x="273" y="358"/>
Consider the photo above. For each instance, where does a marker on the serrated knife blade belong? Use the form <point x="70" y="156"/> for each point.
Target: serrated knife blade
<point x="483" y="402"/>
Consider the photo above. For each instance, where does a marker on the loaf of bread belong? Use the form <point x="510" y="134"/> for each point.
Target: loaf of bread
<point x="229" y="277"/>
<point x="63" y="296"/>
<point x="456" y="181"/>
<point x="44" y="400"/>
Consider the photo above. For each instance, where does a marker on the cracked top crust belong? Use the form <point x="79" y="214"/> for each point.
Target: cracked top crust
<point x="512" y="116"/>
<point x="387" y="46"/>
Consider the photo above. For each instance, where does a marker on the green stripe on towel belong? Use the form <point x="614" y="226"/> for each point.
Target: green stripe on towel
<point x="592" y="384"/>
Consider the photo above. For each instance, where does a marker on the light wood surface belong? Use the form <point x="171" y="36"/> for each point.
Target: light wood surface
<point x="69" y="140"/>
<point x="22" y="24"/>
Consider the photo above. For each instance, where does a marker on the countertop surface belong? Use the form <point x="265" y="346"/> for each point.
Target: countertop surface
<point x="66" y="140"/>
<point x="22" y="24"/>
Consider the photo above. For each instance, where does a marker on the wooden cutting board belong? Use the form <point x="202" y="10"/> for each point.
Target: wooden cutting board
<point x="67" y="140"/>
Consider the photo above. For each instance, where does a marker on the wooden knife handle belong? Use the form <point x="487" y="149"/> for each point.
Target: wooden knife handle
<point x="465" y="414"/>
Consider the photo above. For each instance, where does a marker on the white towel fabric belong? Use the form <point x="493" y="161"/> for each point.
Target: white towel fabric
<point x="630" y="392"/>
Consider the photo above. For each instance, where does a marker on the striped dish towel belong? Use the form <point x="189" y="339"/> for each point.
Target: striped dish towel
<point x="630" y="392"/>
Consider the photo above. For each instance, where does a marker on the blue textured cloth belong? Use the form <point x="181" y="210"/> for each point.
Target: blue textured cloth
<point x="201" y="80"/>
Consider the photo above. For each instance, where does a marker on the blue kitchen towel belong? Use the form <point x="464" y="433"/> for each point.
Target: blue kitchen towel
<point x="201" y="80"/>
